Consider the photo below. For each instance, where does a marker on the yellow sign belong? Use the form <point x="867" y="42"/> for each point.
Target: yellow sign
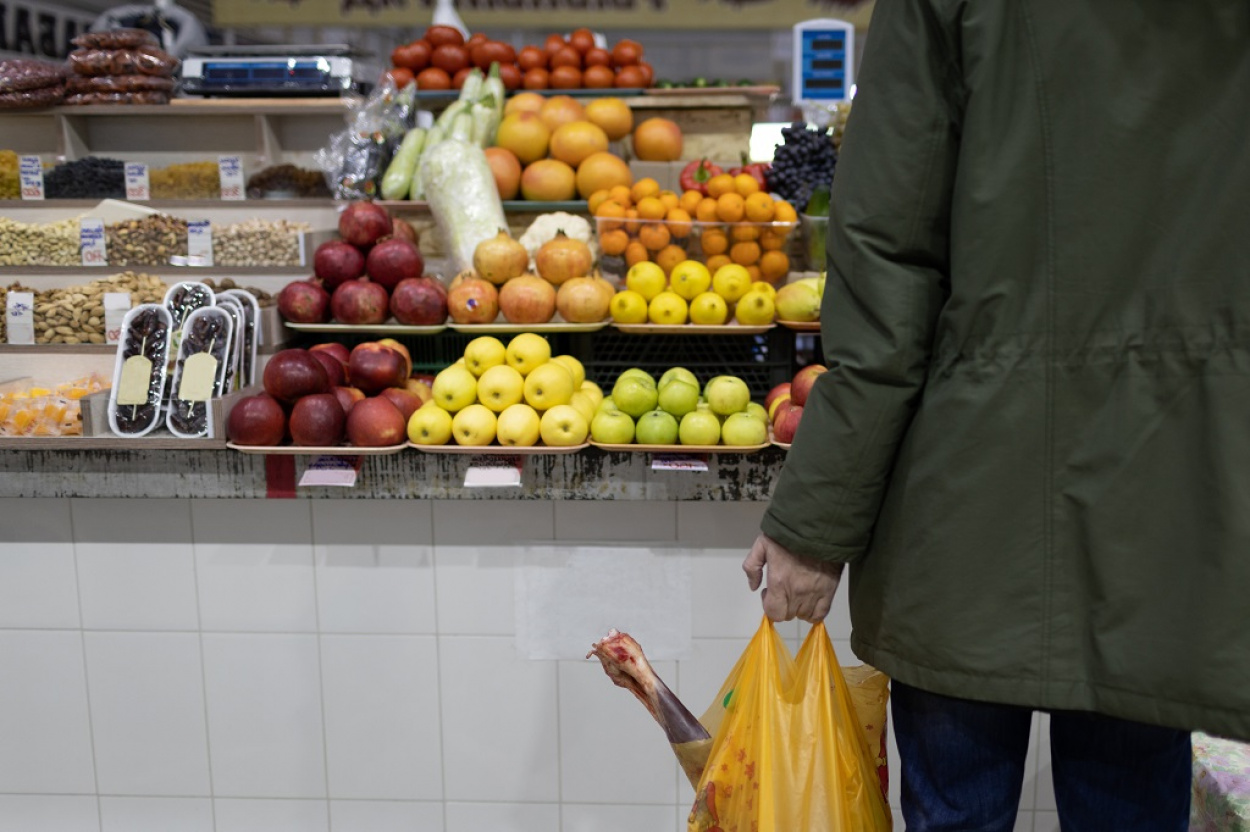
<point x="549" y="15"/>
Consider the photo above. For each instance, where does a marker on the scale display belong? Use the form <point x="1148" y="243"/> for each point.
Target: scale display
<point x="824" y="53"/>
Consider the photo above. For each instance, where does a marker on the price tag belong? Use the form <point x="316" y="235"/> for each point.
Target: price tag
<point x="199" y="374"/>
<point x="116" y="305"/>
<point x="19" y="317"/>
<point x="199" y="243"/>
<point x="132" y="387"/>
<point x="340" y="471"/>
<point x="230" y="170"/>
<point x="494" y="472"/>
<point x="30" y="172"/>
<point x="679" y="462"/>
<point x="91" y="242"/>
<point x="137" y="181"/>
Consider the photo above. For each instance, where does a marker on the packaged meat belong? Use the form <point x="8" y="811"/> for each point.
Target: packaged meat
<point x="116" y="39"/>
<point x="139" y="373"/>
<point x="117" y="83"/>
<point x="200" y="373"/>
<point x="21" y="74"/>
<point x="32" y="99"/>
<point x="145" y="60"/>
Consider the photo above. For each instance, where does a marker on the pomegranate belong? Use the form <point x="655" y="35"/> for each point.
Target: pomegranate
<point x="394" y="260"/>
<point x="337" y="262"/>
<point x="364" y="223"/>
<point x="562" y="258"/>
<point x="419" y="302"/>
<point x="500" y="258"/>
<point x="527" y="299"/>
<point x="473" y="301"/>
<point x="360" y="302"/>
<point x="404" y="230"/>
<point x="304" y="302"/>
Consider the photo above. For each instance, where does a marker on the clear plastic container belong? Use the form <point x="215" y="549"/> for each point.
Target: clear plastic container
<point x="135" y="409"/>
<point x="204" y="354"/>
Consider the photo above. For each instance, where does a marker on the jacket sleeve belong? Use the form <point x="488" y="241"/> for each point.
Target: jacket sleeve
<point x="888" y="277"/>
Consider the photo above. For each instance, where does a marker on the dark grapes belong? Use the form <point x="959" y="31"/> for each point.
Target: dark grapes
<point x="804" y="162"/>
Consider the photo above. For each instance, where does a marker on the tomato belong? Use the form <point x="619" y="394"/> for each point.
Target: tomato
<point x="566" y="78"/>
<point x="553" y="44"/>
<point x="626" y="53"/>
<point x="414" y="56"/>
<point x="630" y="77"/>
<point x="402" y="77"/>
<point x="457" y="80"/>
<point x="433" y="78"/>
<point x="511" y="76"/>
<point x="478" y="37"/>
<point x="648" y="74"/>
<point x="450" y="59"/>
<point x="531" y="57"/>
<point x="583" y="40"/>
<point x="444" y="35"/>
<point x="536" y="79"/>
<point x="598" y="77"/>
<point x="492" y="52"/>
<point x="566" y="56"/>
<point x="597" y="57"/>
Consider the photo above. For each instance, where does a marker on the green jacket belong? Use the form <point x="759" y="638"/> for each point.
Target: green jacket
<point x="1033" y="441"/>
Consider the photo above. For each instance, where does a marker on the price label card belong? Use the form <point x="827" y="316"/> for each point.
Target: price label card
<point x="133" y="386"/>
<point x="199" y="243"/>
<point x="30" y="172"/>
<point x="137" y="181"/>
<point x="91" y="242"/>
<point x="494" y="472"/>
<point x="116" y="305"/>
<point x="230" y="169"/>
<point x="340" y="471"/>
<point x="679" y="462"/>
<point x="199" y="374"/>
<point x="19" y="317"/>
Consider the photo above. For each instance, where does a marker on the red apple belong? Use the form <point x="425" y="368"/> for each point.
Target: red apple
<point x="420" y="389"/>
<point x="334" y="348"/>
<point x="421" y="301"/>
<point x="375" y="423"/>
<point x="364" y="223"/>
<point x="318" y="420"/>
<point x="348" y="396"/>
<point x="360" y="302"/>
<point x="787" y="422"/>
<point x="778" y="403"/>
<point x="337" y="262"/>
<point x="402" y="350"/>
<point x="425" y="378"/>
<point x="407" y="402"/>
<point x="803" y="381"/>
<point x="473" y="301"/>
<point x="373" y="368"/>
<point x="293" y="374"/>
<point x="394" y="260"/>
<point x="335" y="371"/>
<point x="784" y="387"/>
<point x="304" y="302"/>
<point x="256" y="420"/>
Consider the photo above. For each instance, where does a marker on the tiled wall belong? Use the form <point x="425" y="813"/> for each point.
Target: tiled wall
<point x="307" y="666"/>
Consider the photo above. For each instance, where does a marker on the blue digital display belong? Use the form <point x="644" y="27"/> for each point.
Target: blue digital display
<point x="823" y="64"/>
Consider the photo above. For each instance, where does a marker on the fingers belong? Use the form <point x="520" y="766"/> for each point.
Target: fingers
<point x="821" y="609"/>
<point x="777" y="604"/>
<point x="754" y="564"/>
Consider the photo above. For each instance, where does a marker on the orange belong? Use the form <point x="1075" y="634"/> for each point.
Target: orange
<point x="620" y="195"/>
<point x="614" y="242"/>
<point x="650" y="208"/>
<point x="706" y="212"/>
<point x="715" y="262"/>
<point x="729" y="207"/>
<point x="754" y="271"/>
<point x="644" y="187"/>
<point x="631" y="220"/>
<point x="759" y="207"/>
<point x="596" y="199"/>
<point x="774" y="265"/>
<point x="745" y="232"/>
<point x="635" y="252"/>
<point x="720" y="184"/>
<point x="689" y="201"/>
<point x="654" y="236"/>
<point x="714" y="241"/>
<point x="669" y="257"/>
<point x="608" y="212"/>
<point x="772" y="240"/>
<point x="784" y="212"/>
<point x="745" y="185"/>
<point x="745" y="254"/>
<point x="670" y="199"/>
<point x="678" y="223"/>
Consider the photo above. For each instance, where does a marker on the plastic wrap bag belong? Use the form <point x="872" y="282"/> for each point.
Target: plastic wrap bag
<point x="20" y="74"/>
<point x="118" y="83"/>
<point x="457" y="181"/>
<point x="117" y="98"/>
<point x="143" y="60"/>
<point x="32" y="99"/>
<point x="354" y="160"/>
<point x="116" y="39"/>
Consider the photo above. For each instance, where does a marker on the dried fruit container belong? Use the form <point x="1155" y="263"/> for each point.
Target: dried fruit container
<point x="39" y="411"/>
<point x="139" y="373"/>
<point x="763" y="248"/>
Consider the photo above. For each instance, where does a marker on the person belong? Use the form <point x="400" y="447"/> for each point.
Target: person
<point x="1031" y="444"/>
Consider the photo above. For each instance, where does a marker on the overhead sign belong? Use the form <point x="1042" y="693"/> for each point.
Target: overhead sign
<point x="39" y="30"/>
<point x="556" y="14"/>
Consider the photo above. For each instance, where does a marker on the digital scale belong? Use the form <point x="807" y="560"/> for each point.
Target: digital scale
<point x="264" y="71"/>
<point x="824" y="57"/>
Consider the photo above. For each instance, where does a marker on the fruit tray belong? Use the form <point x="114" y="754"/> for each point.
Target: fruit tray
<point x="502" y="327"/>
<point x="681" y="449"/>
<point x="694" y="329"/>
<point x="380" y="329"/>
<point x="801" y="326"/>
<point x="785" y="446"/>
<point x="309" y="450"/>
<point x="499" y="450"/>
<point x="572" y="206"/>
<point x="759" y="89"/>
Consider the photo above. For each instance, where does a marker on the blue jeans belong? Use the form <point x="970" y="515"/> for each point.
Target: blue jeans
<point x="963" y="767"/>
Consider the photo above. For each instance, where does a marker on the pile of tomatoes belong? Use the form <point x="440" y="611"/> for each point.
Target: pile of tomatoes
<point x="441" y="60"/>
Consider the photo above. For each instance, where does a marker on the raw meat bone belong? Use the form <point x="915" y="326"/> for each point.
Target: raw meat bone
<point x="627" y="667"/>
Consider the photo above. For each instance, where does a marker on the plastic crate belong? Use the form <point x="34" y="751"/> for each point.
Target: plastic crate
<point x="762" y="361"/>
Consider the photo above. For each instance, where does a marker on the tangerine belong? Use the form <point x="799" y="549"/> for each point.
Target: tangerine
<point x="722" y="183"/>
<point x="620" y="195"/>
<point x="759" y="207"/>
<point x="772" y="240"/>
<point x="669" y="256"/>
<point x="745" y="232"/>
<point x="614" y="242"/>
<point x="729" y="207"/>
<point x="670" y="199"/>
<point x="654" y="236"/>
<point x="745" y="254"/>
<point x="689" y="201"/>
<point x="609" y="213"/>
<point x="650" y="208"/>
<point x="745" y="185"/>
<point x="631" y="220"/>
<point x="784" y="212"/>
<point x="714" y="241"/>
<point x="756" y="277"/>
<point x="596" y="199"/>
<point x="678" y="223"/>
<point x="774" y="265"/>
<point x="635" y="253"/>
<point x="715" y="262"/>
<point x="644" y="187"/>
<point x="706" y="212"/>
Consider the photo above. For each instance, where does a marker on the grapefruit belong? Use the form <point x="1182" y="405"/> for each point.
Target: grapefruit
<point x="612" y="115"/>
<point x="524" y="101"/>
<point x="525" y="134"/>
<point x="601" y="171"/>
<point x="548" y="180"/>
<point x="507" y="170"/>
<point x="561" y="109"/>
<point x="657" y="140"/>
<point x="577" y="140"/>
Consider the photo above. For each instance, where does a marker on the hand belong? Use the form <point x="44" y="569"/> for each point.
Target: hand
<point x="797" y="586"/>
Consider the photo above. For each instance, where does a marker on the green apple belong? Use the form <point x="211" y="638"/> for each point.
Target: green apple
<point x="500" y="387"/>
<point x="678" y="373"/>
<point x="548" y="385"/>
<point x="612" y="427"/>
<point x="562" y="426"/>
<point x="637" y="372"/>
<point x="708" y="386"/>
<point x="608" y="405"/>
<point x="635" y="396"/>
<point x="429" y="425"/>
<point x="455" y="388"/>
<point x="475" y="425"/>
<point x="678" y="397"/>
<point x="518" y="426"/>
<point x="757" y="410"/>
<point x="728" y="394"/>
<point x="574" y="367"/>
<point x="483" y="353"/>
<point x="656" y="428"/>
<point x="584" y="404"/>
<point x="699" y="427"/>
<point x="744" y="429"/>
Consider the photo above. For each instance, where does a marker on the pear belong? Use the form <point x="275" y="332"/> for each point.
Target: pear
<point x="799" y="301"/>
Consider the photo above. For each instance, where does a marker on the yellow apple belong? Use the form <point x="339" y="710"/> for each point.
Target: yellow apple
<point x="527" y="351"/>
<point x="575" y="367"/>
<point x="429" y="425"/>
<point x="519" y="426"/>
<point x="500" y="387"/>
<point x="475" y="425"/>
<point x="548" y="386"/>
<point x="563" y="426"/>
<point x="483" y="353"/>
<point x="593" y="390"/>
<point x="455" y="388"/>
<point x="584" y="404"/>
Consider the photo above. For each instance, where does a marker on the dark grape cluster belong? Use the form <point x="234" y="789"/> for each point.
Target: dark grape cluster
<point x="802" y="164"/>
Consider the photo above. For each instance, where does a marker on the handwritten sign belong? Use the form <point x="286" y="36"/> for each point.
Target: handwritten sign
<point x="334" y="471"/>
<point x="230" y="170"/>
<point x="116" y="305"/>
<point x="679" y="462"/>
<point x="30" y="173"/>
<point x="137" y="186"/>
<point x="199" y="243"/>
<point x="91" y="242"/>
<point x="19" y="317"/>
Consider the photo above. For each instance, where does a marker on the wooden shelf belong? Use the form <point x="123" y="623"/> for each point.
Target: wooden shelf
<point x="108" y="443"/>
<point x="158" y="270"/>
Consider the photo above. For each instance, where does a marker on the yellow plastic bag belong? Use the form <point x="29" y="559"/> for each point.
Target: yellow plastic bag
<point x="788" y="751"/>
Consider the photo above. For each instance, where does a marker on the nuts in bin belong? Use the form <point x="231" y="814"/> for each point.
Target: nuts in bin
<point x="75" y="315"/>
